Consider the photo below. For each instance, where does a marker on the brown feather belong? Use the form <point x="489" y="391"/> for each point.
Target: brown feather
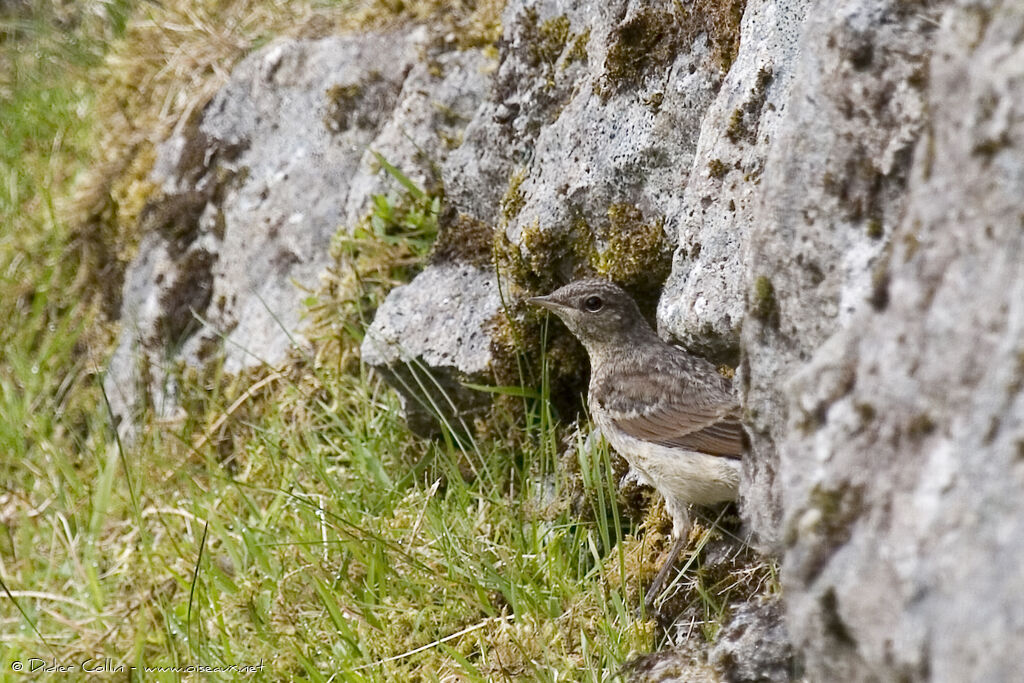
<point x="724" y="438"/>
<point x="675" y="401"/>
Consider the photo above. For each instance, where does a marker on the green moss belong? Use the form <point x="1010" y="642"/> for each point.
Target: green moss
<point x="537" y="264"/>
<point x="879" y="297"/>
<point x="625" y="248"/>
<point x="578" y="48"/>
<point x="450" y="140"/>
<point x="744" y="120"/>
<point x="721" y="21"/>
<point x="464" y="239"/>
<point x="190" y="292"/>
<point x="920" y="426"/>
<point x="736" y="130"/>
<point x="717" y="168"/>
<point x="509" y="261"/>
<point x="545" y="260"/>
<point x="866" y="411"/>
<point x="636" y="254"/>
<point x="513" y="201"/>
<point x="764" y="306"/>
<point x="646" y="41"/>
<point x="764" y="77"/>
<point x="910" y="246"/>
<point x="654" y="100"/>
<point x="544" y="247"/>
<point x="874" y="229"/>
<point x="827" y="502"/>
<point x="1017" y="381"/>
<point x="345" y="103"/>
<point x="552" y="37"/>
<point x="838" y="509"/>
<point x="989" y="147"/>
<point x="651" y="39"/>
<point x="341" y="102"/>
<point x="759" y="93"/>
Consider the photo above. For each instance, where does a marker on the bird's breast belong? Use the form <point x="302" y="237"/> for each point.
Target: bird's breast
<point x="678" y="474"/>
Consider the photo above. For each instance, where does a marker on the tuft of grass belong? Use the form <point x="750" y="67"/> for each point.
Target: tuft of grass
<point x="388" y="247"/>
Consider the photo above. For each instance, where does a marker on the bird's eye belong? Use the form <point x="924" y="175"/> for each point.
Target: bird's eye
<point x="593" y="304"/>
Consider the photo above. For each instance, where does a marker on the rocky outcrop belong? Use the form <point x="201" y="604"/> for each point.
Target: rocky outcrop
<point x="901" y="447"/>
<point x="713" y="216"/>
<point x="880" y="356"/>
<point x="588" y="130"/>
<point x="831" y="194"/>
<point x="255" y="186"/>
<point x="430" y="337"/>
<point x="834" y="186"/>
<point x="755" y="646"/>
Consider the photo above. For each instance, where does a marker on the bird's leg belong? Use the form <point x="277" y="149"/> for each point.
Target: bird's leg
<point x="680" y="514"/>
<point x="655" y="589"/>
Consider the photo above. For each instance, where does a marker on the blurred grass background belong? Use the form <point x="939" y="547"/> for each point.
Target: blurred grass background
<point x="290" y="519"/>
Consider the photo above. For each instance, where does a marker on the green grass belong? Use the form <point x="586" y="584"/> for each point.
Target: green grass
<point x="290" y="519"/>
<point x="331" y="542"/>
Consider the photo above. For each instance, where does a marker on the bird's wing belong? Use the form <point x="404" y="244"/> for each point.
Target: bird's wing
<point x="676" y="407"/>
<point x="724" y="437"/>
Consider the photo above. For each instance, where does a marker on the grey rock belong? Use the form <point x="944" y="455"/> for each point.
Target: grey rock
<point x="703" y="304"/>
<point x="578" y="151"/>
<point x="714" y="219"/>
<point x="126" y="381"/>
<point x="254" y="188"/>
<point x="524" y="94"/>
<point x="430" y="337"/>
<point x="833" y="187"/>
<point x="754" y="647"/>
<point x="439" y="97"/>
<point x="256" y="185"/>
<point x="881" y="358"/>
<point x="672" y="665"/>
<point x="901" y="459"/>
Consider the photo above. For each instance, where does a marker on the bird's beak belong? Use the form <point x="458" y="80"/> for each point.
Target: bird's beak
<point x="546" y="302"/>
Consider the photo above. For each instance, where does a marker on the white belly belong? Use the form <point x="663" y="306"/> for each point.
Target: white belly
<point x="682" y="477"/>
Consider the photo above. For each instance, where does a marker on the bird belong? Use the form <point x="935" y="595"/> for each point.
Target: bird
<point x="670" y="414"/>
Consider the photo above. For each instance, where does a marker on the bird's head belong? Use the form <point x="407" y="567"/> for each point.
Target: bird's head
<point x="598" y="312"/>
